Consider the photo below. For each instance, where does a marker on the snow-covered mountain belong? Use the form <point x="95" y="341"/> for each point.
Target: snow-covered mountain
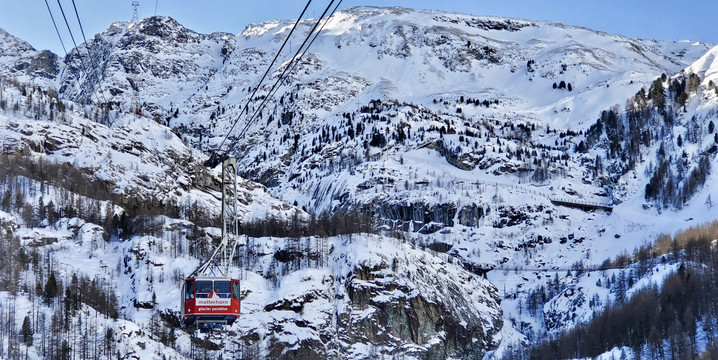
<point x="417" y="71"/>
<point x="478" y="143"/>
<point x="18" y="59"/>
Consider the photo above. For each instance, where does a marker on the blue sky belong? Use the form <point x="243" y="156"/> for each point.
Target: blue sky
<point x="656" y="19"/>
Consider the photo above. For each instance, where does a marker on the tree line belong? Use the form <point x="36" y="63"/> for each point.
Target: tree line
<point x="67" y="332"/>
<point x="339" y="223"/>
<point x="657" y="322"/>
<point x="650" y="118"/>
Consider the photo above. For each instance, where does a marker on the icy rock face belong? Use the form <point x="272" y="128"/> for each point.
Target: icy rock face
<point x="428" y="218"/>
<point x="443" y="326"/>
<point x="365" y="296"/>
<point x="469" y="215"/>
<point x="455" y="157"/>
<point x="418" y="216"/>
<point x="425" y="217"/>
<point x="562" y="310"/>
<point x="44" y="64"/>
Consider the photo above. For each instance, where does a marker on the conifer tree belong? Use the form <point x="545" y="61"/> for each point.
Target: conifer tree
<point x="50" y="288"/>
<point x="26" y="331"/>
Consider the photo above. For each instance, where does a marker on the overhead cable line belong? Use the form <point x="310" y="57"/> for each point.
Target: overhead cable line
<point x="89" y="54"/>
<point x="290" y="67"/>
<point x="84" y="66"/>
<point x="55" y="24"/>
<point x="78" y="21"/>
<point x="269" y="68"/>
<point x="62" y="11"/>
<point x="284" y="72"/>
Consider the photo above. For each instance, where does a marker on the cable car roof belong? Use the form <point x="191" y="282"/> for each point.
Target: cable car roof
<point x="210" y="278"/>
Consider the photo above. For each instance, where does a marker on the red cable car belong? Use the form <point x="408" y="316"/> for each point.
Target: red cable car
<point x="210" y="301"/>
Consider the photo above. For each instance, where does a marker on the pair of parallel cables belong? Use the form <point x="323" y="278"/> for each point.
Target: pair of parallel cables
<point x="288" y="68"/>
<point x="84" y="67"/>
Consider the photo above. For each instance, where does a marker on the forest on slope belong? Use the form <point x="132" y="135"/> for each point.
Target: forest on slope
<point x="677" y="319"/>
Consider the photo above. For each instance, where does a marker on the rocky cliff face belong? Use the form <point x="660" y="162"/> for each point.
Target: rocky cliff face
<point x="151" y="56"/>
<point x="20" y="60"/>
<point x="371" y="296"/>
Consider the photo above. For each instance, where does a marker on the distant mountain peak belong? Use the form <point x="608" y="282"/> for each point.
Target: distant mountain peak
<point x="160" y="26"/>
<point x="19" y="58"/>
<point x="11" y="45"/>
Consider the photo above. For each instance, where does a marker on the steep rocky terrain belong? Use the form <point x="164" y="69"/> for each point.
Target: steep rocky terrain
<point x="18" y="59"/>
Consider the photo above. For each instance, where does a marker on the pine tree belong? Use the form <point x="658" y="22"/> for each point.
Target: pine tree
<point x="52" y="215"/>
<point x="65" y="350"/>
<point x="50" y="288"/>
<point x="655" y="93"/>
<point x="41" y="210"/>
<point x="26" y="331"/>
<point x="6" y="201"/>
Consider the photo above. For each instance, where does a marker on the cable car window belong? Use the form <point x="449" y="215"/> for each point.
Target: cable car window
<point x="235" y="290"/>
<point x="189" y="290"/>
<point x="221" y="288"/>
<point x="204" y="287"/>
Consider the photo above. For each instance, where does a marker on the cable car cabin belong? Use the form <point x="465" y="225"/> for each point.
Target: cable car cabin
<point x="210" y="301"/>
